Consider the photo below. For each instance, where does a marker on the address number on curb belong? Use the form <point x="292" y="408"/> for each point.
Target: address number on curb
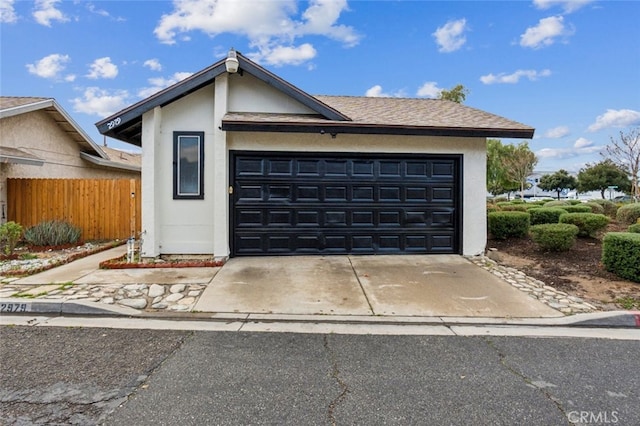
<point x="13" y="307"/>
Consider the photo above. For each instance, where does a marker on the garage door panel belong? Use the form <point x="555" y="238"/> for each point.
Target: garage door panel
<point x="293" y="203"/>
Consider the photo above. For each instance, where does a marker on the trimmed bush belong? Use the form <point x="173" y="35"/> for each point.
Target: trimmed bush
<point x="503" y="203"/>
<point x="500" y="199"/>
<point x="635" y="228"/>
<point x="518" y="201"/>
<point x="610" y="208"/>
<point x="628" y="214"/>
<point x="588" y="223"/>
<point x="574" y="202"/>
<point x="595" y="207"/>
<point x="515" y="208"/>
<point x="10" y="233"/>
<point x="546" y="215"/>
<point x="554" y="236"/>
<point x="621" y="254"/>
<point x="52" y="233"/>
<point x="556" y="203"/>
<point x="578" y="209"/>
<point x="503" y="225"/>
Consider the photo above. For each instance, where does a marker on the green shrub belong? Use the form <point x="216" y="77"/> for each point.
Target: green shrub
<point x="500" y="199"/>
<point x="574" y="202"/>
<point x="503" y="203"/>
<point x="514" y="208"/>
<point x="610" y="208"/>
<point x="518" y="201"/>
<point x="503" y="225"/>
<point x="556" y="203"/>
<point x="595" y="207"/>
<point x="10" y="233"/>
<point x="635" y="228"/>
<point x="546" y="215"/>
<point x="588" y="223"/>
<point x="554" y="236"/>
<point x="578" y="209"/>
<point x="52" y="233"/>
<point x="620" y="254"/>
<point x="628" y="214"/>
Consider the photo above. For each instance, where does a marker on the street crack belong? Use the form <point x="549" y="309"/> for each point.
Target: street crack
<point x="540" y="386"/>
<point x="335" y="373"/>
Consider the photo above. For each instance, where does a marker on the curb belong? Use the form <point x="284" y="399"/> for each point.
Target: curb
<point x="610" y="319"/>
<point x="17" y="305"/>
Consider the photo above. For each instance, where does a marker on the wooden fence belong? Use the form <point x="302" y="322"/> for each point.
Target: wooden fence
<point x="104" y="209"/>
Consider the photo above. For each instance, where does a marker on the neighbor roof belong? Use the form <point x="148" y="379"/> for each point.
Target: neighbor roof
<point x="333" y="114"/>
<point x="15" y="105"/>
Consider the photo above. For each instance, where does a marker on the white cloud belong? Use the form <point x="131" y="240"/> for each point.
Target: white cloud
<point x="282" y="55"/>
<point x="568" y="6"/>
<point x="580" y="147"/>
<point x="582" y="143"/>
<point x="376" y="92"/>
<point x="429" y="89"/>
<point x="557" y="132"/>
<point x="102" y="68"/>
<point x="450" y="37"/>
<point x="159" y="83"/>
<point x="45" y="12"/>
<point x="545" y="33"/>
<point x="270" y="26"/>
<point x="153" y="64"/>
<point x="615" y="118"/>
<point x="515" y="77"/>
<point x="100" y="102"/>
<point x="50" y="66"/>
<point x="7" y="12"/>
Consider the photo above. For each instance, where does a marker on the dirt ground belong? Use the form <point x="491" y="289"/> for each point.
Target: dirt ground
<point x="578" y="271"/>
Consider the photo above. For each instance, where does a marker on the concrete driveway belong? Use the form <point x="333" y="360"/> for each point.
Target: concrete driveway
<point x="436" y="285"/>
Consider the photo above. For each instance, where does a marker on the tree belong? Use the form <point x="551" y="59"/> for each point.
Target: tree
<point x="625" y="152"/>
<point x="600" y="176"/>
<point x="497" y="181"/>
<point x="558" y="181"/>
<point x="519" y="162"/>
<point x="456" y="94"/>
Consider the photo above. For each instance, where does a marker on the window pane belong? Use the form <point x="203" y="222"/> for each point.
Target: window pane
<point x="188" y="165"/>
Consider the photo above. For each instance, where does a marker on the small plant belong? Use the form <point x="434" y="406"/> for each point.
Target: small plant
<point x="588" y="223"/>
<point x="10" y="233"/>
<point x="28" y="256"/>
<point x="628" y="214"/>
<point x="554" y="236"/>
<point x="635" y="228"/>
<point x="515" y="207"/>
<point x="628" y="303"/>
<point x="546" y="215"/>
<point x="503" y="225"/>
<point x="52" y="233"/>
<point x="620" y="254"/>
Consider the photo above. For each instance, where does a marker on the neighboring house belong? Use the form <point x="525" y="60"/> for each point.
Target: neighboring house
<point x="237" y="161"/>
<point x="38" y="139"/>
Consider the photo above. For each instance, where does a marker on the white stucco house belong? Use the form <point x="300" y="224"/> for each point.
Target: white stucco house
<point x="237" y="161"/>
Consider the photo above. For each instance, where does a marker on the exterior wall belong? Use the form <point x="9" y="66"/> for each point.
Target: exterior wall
<point x="176" y="226"/>
<point x="249" y="94"/>
<point x="37" y="133"/>
<point x="474" y="234"/>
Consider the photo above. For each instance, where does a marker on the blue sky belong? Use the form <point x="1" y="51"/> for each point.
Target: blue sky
<point x="571" y="69"/>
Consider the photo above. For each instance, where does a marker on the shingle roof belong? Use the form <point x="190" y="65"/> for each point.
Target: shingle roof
<point x="7" y="102"/>
<point x="334" y="114"/>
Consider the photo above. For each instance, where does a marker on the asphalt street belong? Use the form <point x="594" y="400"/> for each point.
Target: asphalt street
<point x="53" y="375"/>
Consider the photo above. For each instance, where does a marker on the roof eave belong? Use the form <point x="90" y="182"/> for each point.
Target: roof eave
<point x="375" y="129"/>
<point x="108" y="163"/>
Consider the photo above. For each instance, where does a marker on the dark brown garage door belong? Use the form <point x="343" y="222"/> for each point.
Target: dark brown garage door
<point x="293" y="203"/>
